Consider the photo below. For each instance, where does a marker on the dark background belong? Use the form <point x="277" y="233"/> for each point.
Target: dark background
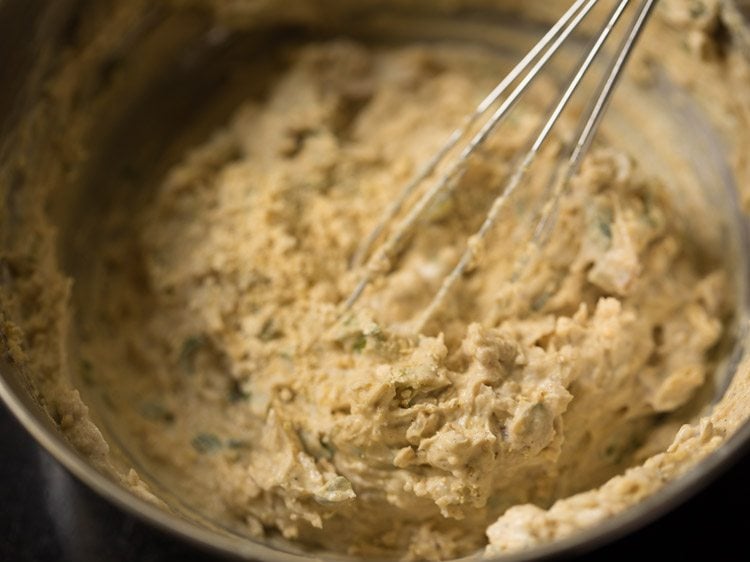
<point x="46" y="515"/>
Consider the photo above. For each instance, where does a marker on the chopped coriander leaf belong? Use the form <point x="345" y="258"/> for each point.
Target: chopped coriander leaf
<point x="539" y="302"/>
<point x="270" y="331"/>
<point x="156" y="412"/>
<point x="234" y="443"/>
<point x="286" y="355"/>
<point x="206" y="443"/>
<point x="360" y="343"/>
<point x="328" y="449"/>
<point x="190" y="348"/>
<point x="697" y="9"/>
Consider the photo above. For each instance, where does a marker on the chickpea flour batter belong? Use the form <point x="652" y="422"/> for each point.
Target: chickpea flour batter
<point x="238" y="387"/>
<point x="540" y="399"/>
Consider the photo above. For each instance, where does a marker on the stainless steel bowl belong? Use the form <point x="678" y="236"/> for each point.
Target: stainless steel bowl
<point x="183" y="75"/>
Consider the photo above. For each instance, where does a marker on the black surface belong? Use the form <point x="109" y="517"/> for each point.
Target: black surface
<point x="46" y="515"/>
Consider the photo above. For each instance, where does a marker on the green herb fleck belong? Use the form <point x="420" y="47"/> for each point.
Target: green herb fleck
<point x="286" y="355"/>
<point x="328" y="449"/>
<point x="234" y="443"/>
<point x="605" y="228"/>
<point x="360" y="343"/>
<point x="539" y="302"/>
<point x="615" y="453"/>
<point x="697" y="9"/>
<point x="190" y="348"/>
<point x="206" y="443"/>
<point x="269" y="331"/>
<point x="156" y="412"/>
<point x="375" y="332"/>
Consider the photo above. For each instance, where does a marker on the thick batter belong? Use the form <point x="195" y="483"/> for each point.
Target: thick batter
<point x="223" y="359"/>
<point x="539" y="400"/>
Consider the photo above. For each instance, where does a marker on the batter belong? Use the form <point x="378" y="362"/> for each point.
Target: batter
<point x="538" y="401"/>
<point x="239" y="387"/>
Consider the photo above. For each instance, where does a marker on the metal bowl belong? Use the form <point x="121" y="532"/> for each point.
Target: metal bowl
<point x="137" y="127"/>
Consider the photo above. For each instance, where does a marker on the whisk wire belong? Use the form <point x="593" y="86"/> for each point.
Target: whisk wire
<point x="519" y="174"/>
<point x="525" y="72"/>
<point x="381" y="260"/>
<point x="429" y="167"/>
<point x="591" y="120"/>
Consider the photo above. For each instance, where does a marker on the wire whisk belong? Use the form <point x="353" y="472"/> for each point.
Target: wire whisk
<point x="377" y="261"/>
